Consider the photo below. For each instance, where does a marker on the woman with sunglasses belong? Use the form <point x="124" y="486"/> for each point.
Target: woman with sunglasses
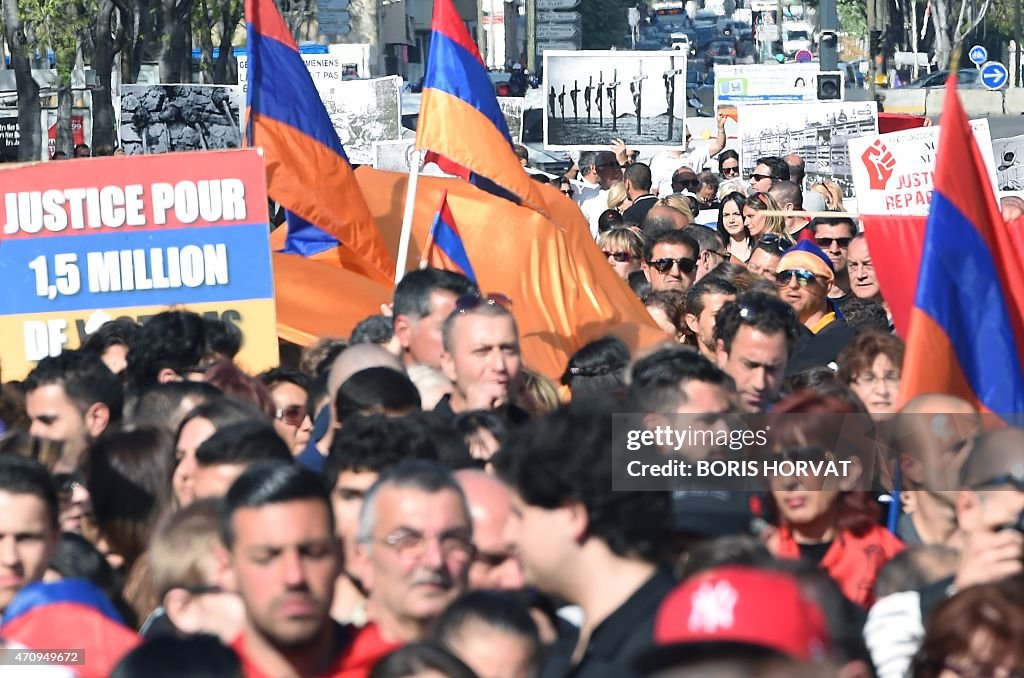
<point x="729" y="164"/>
<point x="623" y="248"/>
<point x="827" y="519"/>
<point x="290" y="392"/>
<point x="731" y="228"/>
<point x="757" y="223"/>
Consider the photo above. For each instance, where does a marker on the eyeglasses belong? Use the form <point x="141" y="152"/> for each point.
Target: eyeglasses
<point x="870" y="379"/>
<point x="826" y="243"/>
<point x="621" y="257"/>
<point x="411" y="545"/>
<point x="686" y="264"/>
<point x="685" y="182"/>
<point x="759" y="177"/>
<point x="803" y="277"/>
<point x="293" y="415"/>
<point x="731" y="171"/>
<point x="467" y="302"/>
<point x="567" y="191"/>
<point x="773" y="243"/>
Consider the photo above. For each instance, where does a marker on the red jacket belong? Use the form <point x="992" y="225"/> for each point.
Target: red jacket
<point x="365" y="648"/>
<point x="852" y="561"/>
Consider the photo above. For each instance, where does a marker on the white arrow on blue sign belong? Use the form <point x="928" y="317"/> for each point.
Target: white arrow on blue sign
<point x="978" y="55"/>
<point x="994" y="75"/>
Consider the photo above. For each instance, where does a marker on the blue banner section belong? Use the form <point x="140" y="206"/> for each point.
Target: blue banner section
<point x="149" y="268"/>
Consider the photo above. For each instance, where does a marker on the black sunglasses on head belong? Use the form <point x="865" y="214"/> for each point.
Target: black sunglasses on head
<point x="774" y="243"/>
<point x="686" y="264"/>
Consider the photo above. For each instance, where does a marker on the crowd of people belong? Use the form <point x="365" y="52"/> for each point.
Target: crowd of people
<point x="413" y="500"/>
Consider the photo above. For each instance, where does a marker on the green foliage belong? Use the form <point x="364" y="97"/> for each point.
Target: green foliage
<point x="853" y="18"/>
<point x="57" y="25"/>
<point x="605" y="22"/>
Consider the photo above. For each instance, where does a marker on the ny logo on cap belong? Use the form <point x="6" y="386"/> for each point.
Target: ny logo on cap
<point x="712" y="607"/>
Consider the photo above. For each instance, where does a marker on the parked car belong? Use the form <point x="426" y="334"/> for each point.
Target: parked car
<point x="968" y="77"/>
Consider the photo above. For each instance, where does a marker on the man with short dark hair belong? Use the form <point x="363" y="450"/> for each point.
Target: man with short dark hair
<point x="638" y="187"/>
<point x="225" y="455"/>
<point x="834" y="235"/>
<point x="423" y="299"/>
<point x="415" y="548"/>
<point x="684" y="179"/>
<point x="766" y="255"/>
<point x="582" y="543"/>
<point x="790" y="199"/>
<point x="707" y="190"/>
<point x="680" y="381"/>
<point x="754" y="335"/>
<point x="482" y="360"/>
<point x="670" y="260"/>
<point x="72" y="399"/>
<point x="712" y="249"/>
<point x="170" y="346"/>
<point x="703" y="301"/>
<point x="282" y="558"/>
<point x="602" y="169"/>
<point x="768" y="171"/>
<point x="29" y="527"/>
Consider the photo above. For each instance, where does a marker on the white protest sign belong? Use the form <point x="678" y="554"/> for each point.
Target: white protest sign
<point x="1009" y="156"/>
<point x="894" y="173"/>
<point x="765" y="84"/>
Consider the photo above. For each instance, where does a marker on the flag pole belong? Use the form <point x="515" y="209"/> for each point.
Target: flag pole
<point x="410" y="205"/>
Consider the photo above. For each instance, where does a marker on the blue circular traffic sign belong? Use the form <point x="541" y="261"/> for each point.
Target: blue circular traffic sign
<point x="804" y="56"/>
<point x="994" y="75"/>
<point x="978" y="55"/>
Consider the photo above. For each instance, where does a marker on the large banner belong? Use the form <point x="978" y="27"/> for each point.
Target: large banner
<point x="817" y="132"/>
<point x="169" y="118"/>
<point x="593" y="97"/>
<point x="764" y="84"/>
<point x="893" y="173"/>
<point x="1009" y="158"/>
<point x="89" y="240"/>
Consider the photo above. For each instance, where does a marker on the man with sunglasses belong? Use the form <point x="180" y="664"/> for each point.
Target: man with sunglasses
<point x="670" y="260"/>
<point x="638" y="187"/>
<point x="833" y="235"/>
<point x="767" y="171"/>
<point x="805" y="278"/>
<point x="766" y="255"/>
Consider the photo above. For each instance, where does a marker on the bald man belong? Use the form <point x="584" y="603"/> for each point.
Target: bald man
<point x="495" y="565"/>
<point x="933" y="434"/>
<point x="1011" y="207"/>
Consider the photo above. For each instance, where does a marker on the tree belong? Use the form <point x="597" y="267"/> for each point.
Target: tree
<point x="225" y="15"/>
<point x="949" y="36"/>
<point x="29" y="109"/>
<point x="109" y="36"/>
<point x="605" y="22"/>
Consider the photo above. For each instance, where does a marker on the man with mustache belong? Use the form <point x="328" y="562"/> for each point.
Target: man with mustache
<point x="282" y="557"/>
<point x="415" y="548"/>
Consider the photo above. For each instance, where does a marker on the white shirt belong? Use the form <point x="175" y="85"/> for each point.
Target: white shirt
<point x="664" y="165"/>
<point x="583" y="191"/>
<point x="593" y="207"/>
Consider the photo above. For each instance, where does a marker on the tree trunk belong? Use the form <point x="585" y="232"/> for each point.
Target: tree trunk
<point x="144" y="39"/>
<point x="176" y="51"/>
<point x="207" y="67"/>
<point x="29" y="110"/>
<point x="225" y="71"/>
<point x="940" y="18"/>
<point x="65" y="141"/>
<point x="103" y="64"/>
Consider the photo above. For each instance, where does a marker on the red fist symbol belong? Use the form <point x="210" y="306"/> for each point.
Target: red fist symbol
<point x="879" y="163"/>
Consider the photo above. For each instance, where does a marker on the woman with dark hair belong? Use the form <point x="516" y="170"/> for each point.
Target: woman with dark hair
<point x="872" y="366"/>
<point x="977" y="632"/>
<point x="198" y="425"/>
<point x="421" y="660"/>
<point x="668" y="309"/>
<point x="729" y="164"/>
<point x="289" y="389"/>
<point x="484" y="433"/>
<point x="731" y="228"/>
<point x="598" y="367"/>
<point x="826" y="518"/>
<point x="235" y="383"/>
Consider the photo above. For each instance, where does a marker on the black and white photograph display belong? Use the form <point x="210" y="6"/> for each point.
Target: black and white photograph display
<point x="592" y="97"/>
<point x="169" y="118"/>
<point x="394" y="156"/>
<point x="365" y="111"/>
<point x="817" y="132"/>
<point x="10" y="137"/>
<point x="1009" y="156"/>
<point x="512" y="109"/>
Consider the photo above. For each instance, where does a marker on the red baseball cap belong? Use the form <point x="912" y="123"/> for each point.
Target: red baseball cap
<point x="743" y="606"/>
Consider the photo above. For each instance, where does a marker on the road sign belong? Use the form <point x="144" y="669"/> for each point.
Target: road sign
<point x="558" y="18"/>
<point x="551" y="45"/>
<point x="557" y="31"/>
<point x="804" y="56"/>
<point x="556" y="4"/>
<point x="333" y="17"/>
<point x="994" y="75"/>
<point x="978" y="55"/>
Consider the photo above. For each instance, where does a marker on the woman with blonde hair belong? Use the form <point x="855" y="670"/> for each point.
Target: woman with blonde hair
<point x="757" y="223"/>
<point x="832" y="194"/>
<point x="623" y="248"/>
<point x="618" y="198"/>
<point x="678" y="203"/>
